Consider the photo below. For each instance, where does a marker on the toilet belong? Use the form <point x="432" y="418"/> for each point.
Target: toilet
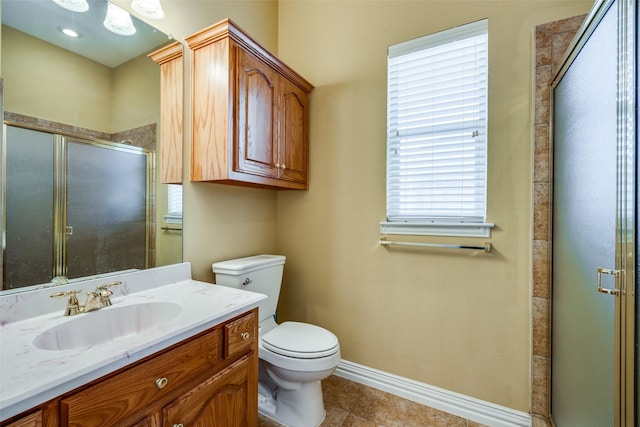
<point x="294" y="357"/>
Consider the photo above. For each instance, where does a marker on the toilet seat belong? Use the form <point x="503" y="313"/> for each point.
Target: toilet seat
<point x="300" y="341"/>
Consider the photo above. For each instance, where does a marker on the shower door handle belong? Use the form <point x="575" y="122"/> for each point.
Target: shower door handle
<point x="615" y="273"/>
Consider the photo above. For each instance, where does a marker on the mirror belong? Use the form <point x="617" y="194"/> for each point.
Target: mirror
<point x="80" y="113"/>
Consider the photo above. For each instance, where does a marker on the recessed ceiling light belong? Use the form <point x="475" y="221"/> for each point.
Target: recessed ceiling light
<point x="68" y="32"/>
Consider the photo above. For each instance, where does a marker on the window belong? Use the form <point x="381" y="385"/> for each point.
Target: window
<point x="174" y="204"/>
<point x="437" y="134"/>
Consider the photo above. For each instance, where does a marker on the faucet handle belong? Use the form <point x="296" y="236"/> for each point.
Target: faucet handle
<point x="64" y="294"/>
<point x="109" y="285"/>
<point x="73" y="306"/>
<point x="105" y="293"/>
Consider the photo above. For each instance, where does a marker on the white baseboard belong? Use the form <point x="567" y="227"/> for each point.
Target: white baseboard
<point x="454" y="403"/>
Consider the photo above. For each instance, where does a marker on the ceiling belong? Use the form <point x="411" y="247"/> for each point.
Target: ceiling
<point x="43" y="18"/>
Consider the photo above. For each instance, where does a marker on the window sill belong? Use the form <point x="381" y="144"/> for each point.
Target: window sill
<point x="437" y="229"/>
<point x="172" y="219"/>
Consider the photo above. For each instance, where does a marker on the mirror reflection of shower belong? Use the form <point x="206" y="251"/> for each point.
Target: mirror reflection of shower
<point x="100" y="221"/>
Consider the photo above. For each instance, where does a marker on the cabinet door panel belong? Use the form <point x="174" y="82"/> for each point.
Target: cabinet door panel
<point x="256" y="117"/>
<point x="33" y="420"/>
<point x="293" y="136"/>
<point x="226" y="399"/>
<point x="171" y="122"/>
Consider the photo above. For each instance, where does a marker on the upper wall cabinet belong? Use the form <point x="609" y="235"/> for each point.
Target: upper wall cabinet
<point x="250" y="117"/>
<point x="171" y="100"/>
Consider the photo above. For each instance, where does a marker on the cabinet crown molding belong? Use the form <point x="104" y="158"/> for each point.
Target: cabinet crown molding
<point x="229" y="29"/>
<point x="167" y="53"/>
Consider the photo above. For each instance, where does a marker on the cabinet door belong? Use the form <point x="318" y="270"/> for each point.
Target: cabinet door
<point x="171" y="99"/>
<point x="226" y="399"/>
<point x="33" y="420"/>
<point x="171" y="122"/>
<point x="293" y="149"/>
<point x="256" y="117"/>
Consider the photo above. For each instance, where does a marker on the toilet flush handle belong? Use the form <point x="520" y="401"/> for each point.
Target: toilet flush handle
<point x="247" y="281"/>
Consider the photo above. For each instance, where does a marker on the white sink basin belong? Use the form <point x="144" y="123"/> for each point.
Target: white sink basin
<point x="100" y="326"/>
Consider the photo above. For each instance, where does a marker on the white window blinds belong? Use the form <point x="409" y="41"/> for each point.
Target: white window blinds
<point x="174" y="203"/>
<point x="437" y="127"/>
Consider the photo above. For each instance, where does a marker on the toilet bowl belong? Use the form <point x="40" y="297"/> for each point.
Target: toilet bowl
<point x="294" y="357"/>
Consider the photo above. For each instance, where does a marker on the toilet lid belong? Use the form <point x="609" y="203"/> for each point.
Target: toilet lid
<point x="300" y="340"/>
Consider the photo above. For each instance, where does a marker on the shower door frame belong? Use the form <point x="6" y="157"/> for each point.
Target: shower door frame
<point x="625" y="259"/>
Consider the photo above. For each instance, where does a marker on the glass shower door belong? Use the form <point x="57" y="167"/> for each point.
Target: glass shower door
<point x="106" y="209"/>
<point x="29" y="191"/>
<point x="593" y="167"/>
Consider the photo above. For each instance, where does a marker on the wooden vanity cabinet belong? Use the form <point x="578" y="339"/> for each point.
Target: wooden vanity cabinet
<point x="250" y="113"/>
<point x="171" y="111"/>
<point x="210" y="380"/>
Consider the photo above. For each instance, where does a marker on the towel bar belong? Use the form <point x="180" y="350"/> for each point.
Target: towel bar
<point x="486" y="247"/>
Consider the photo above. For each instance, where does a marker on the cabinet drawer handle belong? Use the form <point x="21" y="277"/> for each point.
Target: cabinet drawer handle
<point x="245" y="336"/>
<point x="178" y="425"/>
<point x="162" y="382"/>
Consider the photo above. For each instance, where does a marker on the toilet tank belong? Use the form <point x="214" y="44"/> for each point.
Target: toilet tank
<point x="259" y="273"/>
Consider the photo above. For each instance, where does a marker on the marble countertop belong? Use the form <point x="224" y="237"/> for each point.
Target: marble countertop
<point x="30" y="376"/>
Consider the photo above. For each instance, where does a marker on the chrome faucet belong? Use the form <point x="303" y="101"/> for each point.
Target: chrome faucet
<point x="96" y="300"/>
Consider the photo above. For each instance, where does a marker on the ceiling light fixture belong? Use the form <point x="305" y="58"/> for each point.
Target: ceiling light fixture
<point x="148" y="8"/>
<point x="118" y="21"/>
<point x="73" y="5"/>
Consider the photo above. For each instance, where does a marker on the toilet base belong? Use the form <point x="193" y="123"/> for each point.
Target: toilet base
<point x="303" y="407"/>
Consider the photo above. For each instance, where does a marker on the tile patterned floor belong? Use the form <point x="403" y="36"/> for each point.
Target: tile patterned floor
<point x="349" y="404"/>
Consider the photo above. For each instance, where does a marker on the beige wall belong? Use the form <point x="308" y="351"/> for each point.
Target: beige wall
<point x="135" y="94"/>
<point x="453" y="319"/>
<point x="54" y="84"/>
<point x="78" y="93"/>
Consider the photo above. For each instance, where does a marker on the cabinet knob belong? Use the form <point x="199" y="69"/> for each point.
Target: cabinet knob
<point x="178" y="425"/>
<point x="283" y="166"/>
<point x="277" y="165"/>
<point x="245" y="335"/>
<point x="162" y="382"/>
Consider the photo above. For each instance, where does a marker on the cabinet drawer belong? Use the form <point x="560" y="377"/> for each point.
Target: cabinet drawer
<point x="117" y="398"/>
<point x="240" y="335"/>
